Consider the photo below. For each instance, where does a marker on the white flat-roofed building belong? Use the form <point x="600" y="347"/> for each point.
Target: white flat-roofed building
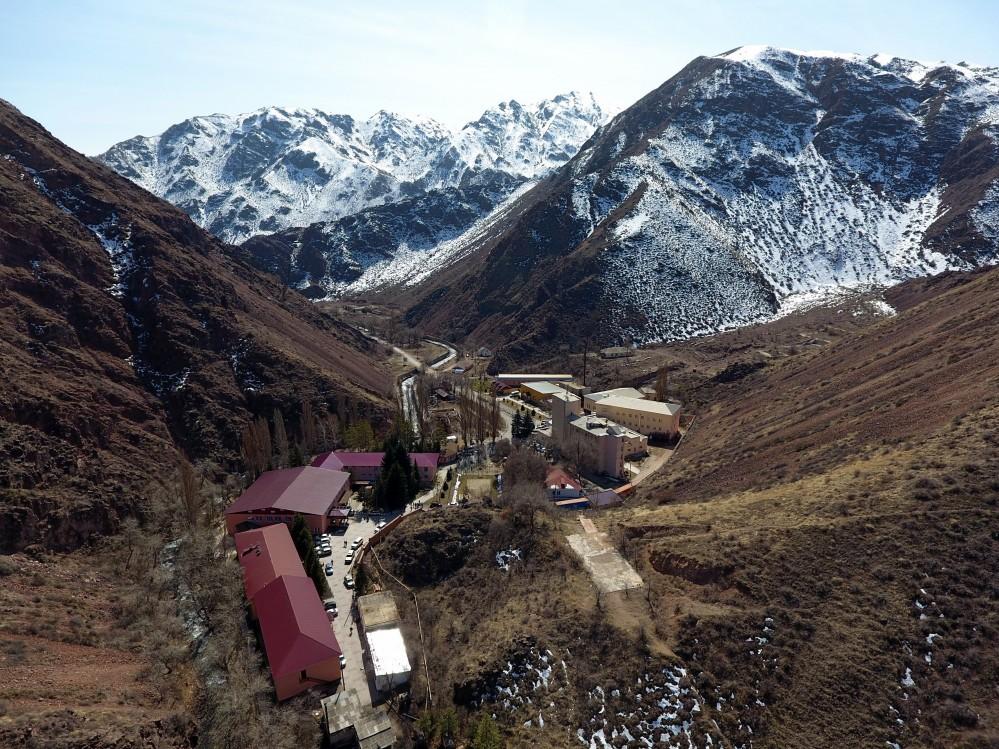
<point x="389" y="660"/>
<point x="516" y="379"/>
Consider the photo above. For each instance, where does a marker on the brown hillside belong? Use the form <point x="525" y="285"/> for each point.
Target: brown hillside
<point x="106" y="373"/>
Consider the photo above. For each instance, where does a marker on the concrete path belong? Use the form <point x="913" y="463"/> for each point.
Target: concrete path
<point x="609" y="570"/>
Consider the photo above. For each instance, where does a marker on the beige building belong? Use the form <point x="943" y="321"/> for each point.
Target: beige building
<point x="540" y="392"/>
<point x="610" y="443"/>
<point x="647" y="417"/>
<point x="590" y="399"/>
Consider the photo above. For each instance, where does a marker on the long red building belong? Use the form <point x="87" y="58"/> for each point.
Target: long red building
<point x="301" y="649"/>
<point x="365" y="468"/>
<point x="277" y="496"/>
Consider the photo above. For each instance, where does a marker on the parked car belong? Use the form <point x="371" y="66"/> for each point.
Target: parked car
<point x="329" y="568"/>
<point x="349" y="558"/>
<point x="348" y="581"/>
<point x="380" y="526"/>
<point x="357" y="543"/>
<point x="343" y="661"/>
<point x="330" y="605"/>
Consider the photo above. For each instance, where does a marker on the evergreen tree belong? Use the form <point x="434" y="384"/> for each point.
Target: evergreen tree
<point x="517" y="426"/>
<point x="395" y="488"/>
<point x="302" y="538"/>
<point x="487" y="735"/>
<point x="527" y="426"/>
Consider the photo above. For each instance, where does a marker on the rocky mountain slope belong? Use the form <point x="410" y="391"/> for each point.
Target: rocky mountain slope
<point x="274" y="169"/>
<point x="748" y="182"/>
<point x="127" y="333"/>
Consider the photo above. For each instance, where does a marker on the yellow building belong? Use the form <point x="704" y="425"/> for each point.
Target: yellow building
<point x="540" y="392"/>
<point x="644" y="416"/>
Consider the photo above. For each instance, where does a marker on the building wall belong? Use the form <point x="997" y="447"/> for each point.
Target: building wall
<point x="316" y="523"/>
<point x="319" y="673"/>
<point x="646" y="422"/>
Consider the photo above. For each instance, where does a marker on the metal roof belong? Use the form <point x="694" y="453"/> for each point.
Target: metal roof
<point x="308" y="490"/>
<point x="388" y="652"/>
<point x="545" y="388"/>
<point x="640" y="404"/>
<point x="344" y="460"/>
<point x="294" y="625"/>
<point x="265" y="554"/>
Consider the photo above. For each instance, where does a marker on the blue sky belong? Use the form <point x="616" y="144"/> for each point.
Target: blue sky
<point x="95" y="73"/>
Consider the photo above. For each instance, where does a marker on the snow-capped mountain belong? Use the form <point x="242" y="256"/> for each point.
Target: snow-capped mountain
<point x="746" y="182"/>
<point x="273" y="169"/>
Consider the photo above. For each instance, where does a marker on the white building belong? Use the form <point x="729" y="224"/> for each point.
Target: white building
<point x="388" y="658"/>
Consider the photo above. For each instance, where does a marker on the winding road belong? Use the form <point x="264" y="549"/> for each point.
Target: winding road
<point x="406" y="384"/>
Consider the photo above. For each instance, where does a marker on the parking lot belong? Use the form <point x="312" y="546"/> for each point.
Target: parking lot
<point x="343" y="626"/>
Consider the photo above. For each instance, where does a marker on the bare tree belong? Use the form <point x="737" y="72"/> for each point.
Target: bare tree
<point x="280" y="441"/>
<point x="524" y="466"/>
<point x="307" y="427"/>
<point x="495" y="418"/>
<point x="190" y="486"/>
<point x="662" y="384"/>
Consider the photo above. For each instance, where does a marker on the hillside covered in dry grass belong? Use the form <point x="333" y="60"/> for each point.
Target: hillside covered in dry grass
<point x="819" y="556"/>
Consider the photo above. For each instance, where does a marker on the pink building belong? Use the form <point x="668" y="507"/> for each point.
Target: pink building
<point x="301" y="650"/>
<point x="277" y="496"/>
<point x="365" y="468"/>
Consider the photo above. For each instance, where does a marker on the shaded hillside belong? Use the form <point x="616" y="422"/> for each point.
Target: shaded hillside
<point x="127" y="332"/>
<point x="747" y="180"/>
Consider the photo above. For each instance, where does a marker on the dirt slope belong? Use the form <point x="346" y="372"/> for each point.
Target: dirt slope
<point x="127" y="333"/>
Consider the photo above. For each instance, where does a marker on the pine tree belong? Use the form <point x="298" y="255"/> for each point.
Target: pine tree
<point x="528" y="426"/>
<point x="280" y="441"/>
<point x="487" y="735"/>
<point x="517" y="425"/>
<point x="302" y="538"/>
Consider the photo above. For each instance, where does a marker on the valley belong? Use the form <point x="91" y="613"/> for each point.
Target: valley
<point x="674" y="426"/>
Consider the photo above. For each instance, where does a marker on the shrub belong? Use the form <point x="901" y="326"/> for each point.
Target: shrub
<point x="7" y="566"/>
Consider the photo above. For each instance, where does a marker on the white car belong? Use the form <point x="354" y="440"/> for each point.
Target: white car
<point x="349" y="558"/>
<point x="343" y="661"/>
<point x="357" y="543"/>
<point x="380" y="526"/>
<point x="348" y="581"/>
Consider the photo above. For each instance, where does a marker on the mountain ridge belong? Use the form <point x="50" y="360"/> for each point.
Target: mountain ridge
<point x="730" y="190"/>
<point x="275" y="168"/>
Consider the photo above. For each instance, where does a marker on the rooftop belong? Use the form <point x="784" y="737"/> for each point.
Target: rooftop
<point x="625" y="392"/>
<point x="545" y="388"/>
<point x="265" y="554"/>
<point x="344" y="460"/>
<point x="600" y="426"/>
<point x="377" y="610"/>
<point x="294" y="625"/>
<point x="558" y="477"/>
<point x="388" y="652"/>
<point x="371" y="725"/>
<point x="640" y="404"/>
<point x="308" y="490"/>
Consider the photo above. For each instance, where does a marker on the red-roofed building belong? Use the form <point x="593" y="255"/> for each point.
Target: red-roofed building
<point x="301" y="649"/>
<point x="365" y="468"/>
<point x="561" y="485"/>
<point x="277" y="496"/>
<point x="266" y="554"/>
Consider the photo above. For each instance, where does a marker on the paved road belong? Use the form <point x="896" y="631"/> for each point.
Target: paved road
<point x="452" y="353"/>
<point x="346" y="634"/>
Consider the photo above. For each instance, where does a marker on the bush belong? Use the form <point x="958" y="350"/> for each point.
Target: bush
<point x="7" y="566"/>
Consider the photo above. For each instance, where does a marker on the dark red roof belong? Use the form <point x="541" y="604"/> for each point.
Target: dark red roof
<point x="294" y="625"/>
<point x="308" y="490"/>
<point x="558" y="477"/>
<point x="265" y="554"/>
<point x="344" y="460"/>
